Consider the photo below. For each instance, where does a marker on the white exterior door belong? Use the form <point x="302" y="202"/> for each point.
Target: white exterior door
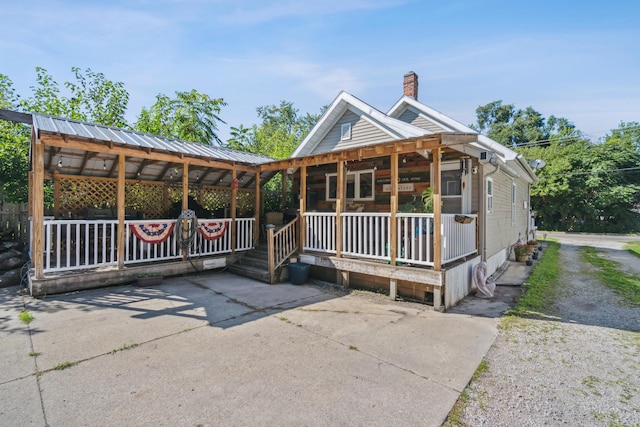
<point x="456" y="186"/>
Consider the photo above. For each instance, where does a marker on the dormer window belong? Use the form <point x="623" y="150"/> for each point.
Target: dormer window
<point x="345" y="131"/>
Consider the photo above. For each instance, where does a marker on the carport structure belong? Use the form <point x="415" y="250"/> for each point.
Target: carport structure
<point x="116" y="198"/>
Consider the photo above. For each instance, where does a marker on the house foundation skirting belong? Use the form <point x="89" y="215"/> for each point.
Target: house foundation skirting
<point x="79" y="280"/>
<point x="418" y="283"/>
<point x="422" y="284"/>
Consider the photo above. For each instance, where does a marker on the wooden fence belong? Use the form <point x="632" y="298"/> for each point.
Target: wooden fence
<point x="14" y="220"/>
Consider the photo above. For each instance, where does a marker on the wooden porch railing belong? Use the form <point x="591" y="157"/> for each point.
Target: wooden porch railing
<point x="281" y="244"/>
<point x="80" y="244"/>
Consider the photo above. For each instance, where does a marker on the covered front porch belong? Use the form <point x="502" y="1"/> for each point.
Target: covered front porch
<point x="362" y="221"/>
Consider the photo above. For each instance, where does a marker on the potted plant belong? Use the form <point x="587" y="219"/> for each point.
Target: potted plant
<point x="533" y="244"/>
<point x="521" y="251"/>
<point x="149" y="279"/>
<point x="427" y="200"/>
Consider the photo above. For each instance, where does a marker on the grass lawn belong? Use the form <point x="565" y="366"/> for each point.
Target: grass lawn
<point x="634" y="248"/>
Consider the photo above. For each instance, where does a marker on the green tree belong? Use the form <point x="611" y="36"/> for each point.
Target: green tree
<point x="588" y="186"/>
<point x="190" y="116"/>
<point x="93" y="98"/>
<point x="281" y="131"/>
<point x="513" y="127"/>
<point x="14" y="149"/>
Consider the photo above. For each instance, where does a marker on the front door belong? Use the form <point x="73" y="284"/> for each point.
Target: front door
<point x="456" y="186"/>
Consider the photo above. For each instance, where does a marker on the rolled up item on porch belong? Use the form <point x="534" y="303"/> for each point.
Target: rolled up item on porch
<point x="484" y="289"/>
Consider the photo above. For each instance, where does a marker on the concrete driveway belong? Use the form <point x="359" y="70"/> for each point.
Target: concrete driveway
<point x="217" y="349"/>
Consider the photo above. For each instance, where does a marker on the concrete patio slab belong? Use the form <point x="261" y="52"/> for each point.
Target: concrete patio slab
<point x="217" y="349"/>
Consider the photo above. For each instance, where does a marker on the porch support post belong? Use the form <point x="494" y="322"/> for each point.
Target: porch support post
<point x="120" y="202"/>
<point x="185" y="186"/>
<point x="185" y="204"/>
<point x="256" y="209"/>
<point x="302" y="221"/>
<point x="38" y="207"/>
<point x="393" y="226"/>
<point x="393" y="288"/>
<point x="340" y="198"/>
<point x="345" y="279"/>
<point x="437" y="212"/>
<point x="283" y="196"/>
<point x="234" y="196"/>
<point x="57" y="213"/>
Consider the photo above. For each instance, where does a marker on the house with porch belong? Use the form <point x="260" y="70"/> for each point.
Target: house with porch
<point x="361" y="174"/>
<point x="126" y="203"/>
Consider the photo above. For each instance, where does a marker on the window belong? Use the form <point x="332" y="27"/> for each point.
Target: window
<point x="345" y="131"/>
<point x="451" y="183"/>
<point x="513" y="203"/>
<point x="359" y="185"/>
<point x="489" y="195"/>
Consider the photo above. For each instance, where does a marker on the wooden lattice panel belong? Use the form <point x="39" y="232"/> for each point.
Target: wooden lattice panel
<point x="245" y="202"/>
<point x="146" y="197"/>
<point x="75" y="194"/>
<point x="214" y="198"/>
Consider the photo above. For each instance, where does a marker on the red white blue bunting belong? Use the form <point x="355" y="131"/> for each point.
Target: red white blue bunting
<point x="213" y="230"/>
<point x="152" y="233"/>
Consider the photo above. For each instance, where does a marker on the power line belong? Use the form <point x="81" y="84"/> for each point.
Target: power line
<point x="530" y="144"/>
<point x="591" y="172"/>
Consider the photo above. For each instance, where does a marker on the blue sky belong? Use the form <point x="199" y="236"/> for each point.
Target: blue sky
<point x="573" y="59"/>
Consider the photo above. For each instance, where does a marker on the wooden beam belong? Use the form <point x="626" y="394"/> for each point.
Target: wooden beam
<point x="302" y="206"/>
<point x="362" y="153"/>
<point x="393" y="235"/>
<point x="437" y="210"/>
<point x="121" y="201"/>
<point x="37" y="249"/>
<point x="340" y="198"/>
<point x="256" y="210"/>
<point x="143" y="164"/>
<point x="234" y="198"/>
<point x="185" y="186"/>
<point x="52" y="154"/>
<point x="283" y="189"/>
<point x="87" y="156"/>
<point x="101" y="147"/>
<point x="113" y="167"/>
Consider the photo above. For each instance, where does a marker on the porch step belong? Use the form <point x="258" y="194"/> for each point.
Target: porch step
<point x="255" y="264"/>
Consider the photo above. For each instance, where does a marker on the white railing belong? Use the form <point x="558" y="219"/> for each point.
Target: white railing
<point x="366" y="234"/>
<point x="415" y="238"/>
<point x="458" y="239"/>
<point x="202" y="246"/>
<point x="76" y="244"/>
<point x="135" y="250"/>
<point x="80" y="244"/>
<point x="320" y="233"/>
<point x="244" y="234"/>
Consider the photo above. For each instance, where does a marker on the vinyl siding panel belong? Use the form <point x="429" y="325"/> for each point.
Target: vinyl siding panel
<point x="501" y="233"/>
<point x="362" y="133"/>
<point x="413" y="118"/>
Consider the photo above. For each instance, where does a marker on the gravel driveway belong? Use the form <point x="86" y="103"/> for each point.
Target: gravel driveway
<point x="577" y="366"/>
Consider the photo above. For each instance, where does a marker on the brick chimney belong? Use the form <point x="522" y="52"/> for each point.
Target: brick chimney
<point x="411" y="85"/>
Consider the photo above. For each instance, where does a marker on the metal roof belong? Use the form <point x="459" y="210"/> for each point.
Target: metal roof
<point x="57" y="125"/>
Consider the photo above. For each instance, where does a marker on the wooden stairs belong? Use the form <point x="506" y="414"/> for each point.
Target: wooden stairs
<point x="255" y="264"/>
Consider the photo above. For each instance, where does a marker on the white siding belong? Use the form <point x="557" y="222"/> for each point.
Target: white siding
<point x="413" y="118"/>
<point x="501" y="234"/>
<point x="362" y="133"/>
